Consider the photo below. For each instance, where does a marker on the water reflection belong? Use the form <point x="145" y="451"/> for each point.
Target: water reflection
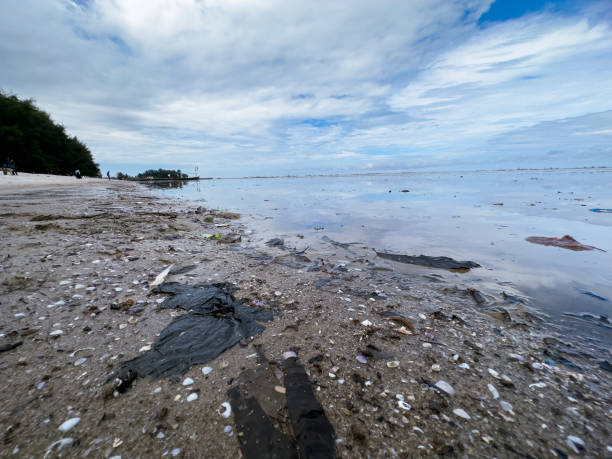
<point x="484" y="217"/>
<point x="164" y="184"/>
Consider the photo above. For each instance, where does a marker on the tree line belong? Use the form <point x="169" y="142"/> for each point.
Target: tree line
<point x="36" y="144"/>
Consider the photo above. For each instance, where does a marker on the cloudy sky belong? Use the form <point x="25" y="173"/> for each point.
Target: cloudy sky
<point x="267" y="87"/>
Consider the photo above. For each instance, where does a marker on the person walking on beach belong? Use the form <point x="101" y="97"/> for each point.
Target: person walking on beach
<point x="12" y="167"/>
<point x="108" y="174"/>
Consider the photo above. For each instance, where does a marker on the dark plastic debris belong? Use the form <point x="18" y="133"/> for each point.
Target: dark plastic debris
<point x="259" y="439"/>
<point x="565" y="242"/>
<point x="10" y="347"/>
<point x="313" y="431"/>
<point x="215" y="322"/>
<point x="430" y="262"/>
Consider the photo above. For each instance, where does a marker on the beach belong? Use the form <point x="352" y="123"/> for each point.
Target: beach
<point x="400" y="369"/>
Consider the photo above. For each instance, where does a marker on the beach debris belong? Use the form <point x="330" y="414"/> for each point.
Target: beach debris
<point x="445" y="387"/>
<point x="592" y="295"/>
<point x="225" y="410"/>
<point x="215" y="322"/>
<point x="276" y="242"/>
<point x="604" y="211"/>
<point x="343" y="245"/>
<point x="399" y="319"/>
<point x="68" y="425"/>
<point x="10" y="347"/>
<point x="57" y="446"/>
<point x="461" y="413"/>
<point x="161" y="277"/>
<point x="565" y="242"/>
<point x="429" y="262"/>
<point x="231" y="238"/>
<point x="259" y="438"/>
<point x="313" y="432"/>
<point x="575" y="443"/>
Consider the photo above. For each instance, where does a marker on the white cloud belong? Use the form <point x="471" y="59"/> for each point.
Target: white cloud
<point x="299" y="85"/>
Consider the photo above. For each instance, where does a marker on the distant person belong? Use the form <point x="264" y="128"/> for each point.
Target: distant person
<point x="77" y="174"/>
<point x="108" y="174"/>
<point x="5" y="168"/>
<point x="12" y="167"/>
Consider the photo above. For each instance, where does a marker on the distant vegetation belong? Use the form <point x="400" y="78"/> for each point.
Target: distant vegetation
<point x="167" y="174"/>
<point x="29" y="137"/>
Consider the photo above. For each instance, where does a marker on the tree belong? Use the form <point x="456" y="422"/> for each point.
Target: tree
<point x="29" y="136"/>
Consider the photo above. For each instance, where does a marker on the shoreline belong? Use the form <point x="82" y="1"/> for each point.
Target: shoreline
<point x="74" y="255"/>
<point x="25" y="180"/>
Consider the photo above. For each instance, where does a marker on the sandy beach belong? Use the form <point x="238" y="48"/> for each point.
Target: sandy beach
<point x="400" y="370"/>
<point x="24" y="180"/>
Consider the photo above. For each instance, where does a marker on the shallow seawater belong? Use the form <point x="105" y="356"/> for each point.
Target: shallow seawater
<point x="480" y="216"/>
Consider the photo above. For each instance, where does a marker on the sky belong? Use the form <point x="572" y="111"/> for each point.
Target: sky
<point x="277" y="87"/>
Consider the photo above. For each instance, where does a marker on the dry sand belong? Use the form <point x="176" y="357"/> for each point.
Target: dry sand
<point x="80" y="260"/>
<point x="24" y="180"/>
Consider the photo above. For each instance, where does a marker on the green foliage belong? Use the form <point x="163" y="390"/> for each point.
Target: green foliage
<point x="29" y="137"/>
<point x="168" y="174"/>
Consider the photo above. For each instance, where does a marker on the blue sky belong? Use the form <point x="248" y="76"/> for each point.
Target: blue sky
<point x="273" y="87"/>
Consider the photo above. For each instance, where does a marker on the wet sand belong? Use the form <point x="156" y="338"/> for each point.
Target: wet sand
<point x="80" y="260"/>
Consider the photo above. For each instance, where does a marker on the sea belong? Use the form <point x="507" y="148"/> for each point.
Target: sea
<point x="482" y="216"/>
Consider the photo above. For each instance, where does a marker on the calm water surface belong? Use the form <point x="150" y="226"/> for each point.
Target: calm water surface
<point x="451" y="214"/>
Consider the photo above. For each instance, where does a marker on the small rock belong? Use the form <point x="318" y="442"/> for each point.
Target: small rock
<point x="366" y="323"/>
<point x="361" y="359"/>
<point x="80" y="361"/>
<point x="191" y="397"/>
<point x="280" y="389"/>
<point x="187" y="382"/>
<point x="435" y="367"/>
<point x="288" y="355"/>
<point x="494" y="373"/>
<point x="206" y="370"/>
<point x="403" y="405"/>
<point x="56" y="333"/>
<point x="175" y="452"/>
<point x="507" y="407"/>
<point x="228" y="430"/>
<point x="393" y="364"/>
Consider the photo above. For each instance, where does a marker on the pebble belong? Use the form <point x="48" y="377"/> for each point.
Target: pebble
<point x="80" y="361"/>
<point x="228" y="430"/>
<point x="69" y="424"/>
<point x="157" y="390"/>
<point x="494" y="373"/>
<point x="461" y="413"/>
<point x="61" y="444"/>
<point x="366" y="323"/>
<point x="427" y="345"/>
<point x="187" y="382"/>
<point x="445" y="387"/>
<point x="175" y="452"/>
<point x="206" y="370"/>
<point x="435" y="367"/>
<point x="288" y="355"/>
<point x="280" y="389"/>
<point x="464" y="365"/>
<point x="56" y="333"/>
<point x="575" y="443"/>
<point x="225" y="410"/>
<point x="362" y="359"/>
<point x="493" y="391"/>
<point x="393" y="364"/>
<point x="160" y="435"/>
<point x="145" y="348"/>
<point x="192" y="397"/>
<point x="539" y="385"/>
